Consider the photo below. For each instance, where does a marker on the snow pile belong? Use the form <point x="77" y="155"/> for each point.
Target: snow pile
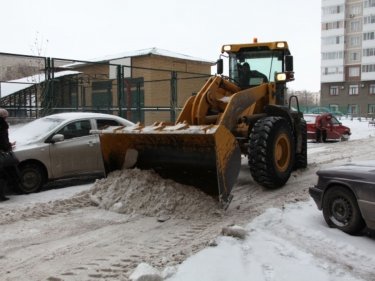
<point x="132" y="191"/>
<point x="234" y="231"/>
<point x="145" y="272"/>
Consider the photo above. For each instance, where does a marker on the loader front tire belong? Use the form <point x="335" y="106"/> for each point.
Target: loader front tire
<point x="271" y="151"/>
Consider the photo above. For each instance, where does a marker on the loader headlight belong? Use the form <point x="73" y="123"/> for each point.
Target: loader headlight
<point x="280" y="77"/>
<point x="227" y="48"/>
<point x="284" y="76"/>
<point x="280" y="45"/>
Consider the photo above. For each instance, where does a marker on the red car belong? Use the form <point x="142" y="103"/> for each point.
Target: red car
<point x="335" y="130"/>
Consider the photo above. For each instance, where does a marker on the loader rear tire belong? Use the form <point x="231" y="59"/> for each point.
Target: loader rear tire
<point x="271" y="151"/>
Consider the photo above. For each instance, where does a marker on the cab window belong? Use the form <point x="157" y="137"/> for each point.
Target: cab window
<point x="103" y="123"/>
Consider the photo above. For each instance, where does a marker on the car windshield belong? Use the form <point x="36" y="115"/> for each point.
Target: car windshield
<point x="34" y="130"/>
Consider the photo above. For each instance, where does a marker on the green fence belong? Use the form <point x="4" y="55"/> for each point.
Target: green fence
<point x="338" y="111"/>
<point x="32" y="87"/>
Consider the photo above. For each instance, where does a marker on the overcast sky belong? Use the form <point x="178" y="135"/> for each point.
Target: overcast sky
<point x="86" y="29"/>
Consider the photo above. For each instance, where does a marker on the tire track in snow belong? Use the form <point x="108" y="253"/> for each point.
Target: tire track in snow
<point x="40" y="210"/>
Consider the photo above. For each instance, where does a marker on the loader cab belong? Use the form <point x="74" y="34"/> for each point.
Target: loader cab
<point x="250" y="65"/>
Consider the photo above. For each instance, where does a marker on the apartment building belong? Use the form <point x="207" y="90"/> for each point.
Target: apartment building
<point x="348" y="56"/>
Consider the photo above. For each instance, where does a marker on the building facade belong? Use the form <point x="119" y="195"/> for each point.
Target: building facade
<point x="144" y="86"/>
<point x="348" y="56"/>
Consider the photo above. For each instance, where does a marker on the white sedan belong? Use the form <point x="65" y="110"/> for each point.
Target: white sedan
<point x="60" y="146"/>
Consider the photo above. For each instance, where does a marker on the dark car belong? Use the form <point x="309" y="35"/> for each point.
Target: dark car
<point x="346" y="195"/>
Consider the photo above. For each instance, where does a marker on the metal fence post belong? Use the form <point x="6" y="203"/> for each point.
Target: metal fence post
<point x="173" y="103"/>
<point x="120" y="89"/>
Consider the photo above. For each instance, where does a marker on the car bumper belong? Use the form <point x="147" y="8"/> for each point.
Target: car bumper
<point x="317" y="195"/>
<point x="368" y="212"/>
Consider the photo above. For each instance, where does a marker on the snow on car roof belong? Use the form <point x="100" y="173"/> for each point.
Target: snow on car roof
<point x="77" y="115"/>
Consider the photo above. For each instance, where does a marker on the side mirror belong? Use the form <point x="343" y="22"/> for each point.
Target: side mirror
<point x="288" y="63"/>
<point x="219" y="66"/>
<point x="57" y="138"/>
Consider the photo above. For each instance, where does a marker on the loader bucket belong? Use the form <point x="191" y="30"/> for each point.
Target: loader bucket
<point x="207" y="157"/>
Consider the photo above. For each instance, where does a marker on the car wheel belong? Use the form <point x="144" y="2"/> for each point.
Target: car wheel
<point x="340" y="210"/>
<point x="32" y="178"/>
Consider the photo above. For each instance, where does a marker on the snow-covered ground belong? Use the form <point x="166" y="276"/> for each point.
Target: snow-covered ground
<point x="285" y="244"/>
<point x="291" y="243"/>
<point x="59" y="235"/>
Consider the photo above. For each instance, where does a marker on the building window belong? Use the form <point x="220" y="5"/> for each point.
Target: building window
<point x="355" y="9"/>
<point x="354" y="71"/>
<point x="355" y="41"/>
<point x="332" y="25"/>
<point x="102" y="94"/>
<point x="371" y="109"/>
<point x="333" y="40"/>
<point x="369" y="52"/>
<point x="368" y="68"/>
<point x="332" y="55"/>
<point x="337" y="9"/>
<point x="334" y="90"/>
<point x="368" y="36"/>
<point x="354" y="56"/>
<point x="355" y="26"/>
<point x="353" y="108"/>
<point x="369" y="3"/>
<point x="369" y="19"/>
<point x="334" y="107"/>
<point x="371" y="89"/>
<point x="353" y="90"/>
<point x="332" y="70"/>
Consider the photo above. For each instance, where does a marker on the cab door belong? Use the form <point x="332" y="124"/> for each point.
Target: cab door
<point x="78" y="153"/>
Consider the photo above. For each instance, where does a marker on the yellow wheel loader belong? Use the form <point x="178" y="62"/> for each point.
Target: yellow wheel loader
<point x="241" y="113"/>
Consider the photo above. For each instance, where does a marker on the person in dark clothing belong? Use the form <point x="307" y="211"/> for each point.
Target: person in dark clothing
<point x="246" y="74"/>
<point x="322" y="123"/>
<point x="5" y="145"/>
<point x="7" y="173"/>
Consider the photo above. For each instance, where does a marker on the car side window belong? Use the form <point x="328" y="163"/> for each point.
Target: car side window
<point x="103" y="123"/>
<point x="76" y="129"/>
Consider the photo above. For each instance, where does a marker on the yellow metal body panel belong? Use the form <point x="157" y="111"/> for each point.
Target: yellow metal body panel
<point x="270" y="45"/>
